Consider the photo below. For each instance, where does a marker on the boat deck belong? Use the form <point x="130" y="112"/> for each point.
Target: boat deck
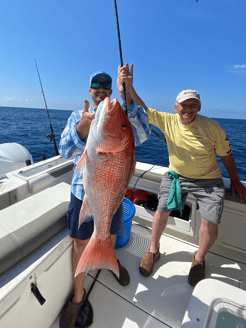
<point x="161" y="299"/>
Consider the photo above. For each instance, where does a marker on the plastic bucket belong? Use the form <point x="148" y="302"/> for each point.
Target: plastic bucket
<point x="123" y="235"/>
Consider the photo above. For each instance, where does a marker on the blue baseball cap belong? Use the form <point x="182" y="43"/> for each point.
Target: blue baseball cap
<point x="100" y="74"/>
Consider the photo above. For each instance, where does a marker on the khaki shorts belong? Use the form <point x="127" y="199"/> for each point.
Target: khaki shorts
<point x="209" y="194"/>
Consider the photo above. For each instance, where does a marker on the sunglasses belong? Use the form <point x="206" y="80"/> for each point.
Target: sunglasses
<point x="104" y="85"/>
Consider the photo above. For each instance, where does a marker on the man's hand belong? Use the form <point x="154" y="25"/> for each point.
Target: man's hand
<point x="240" y="189"/>
<point x="83" y="126"/>
<point x="125" y="76"/>
<point x="236" y="185"/>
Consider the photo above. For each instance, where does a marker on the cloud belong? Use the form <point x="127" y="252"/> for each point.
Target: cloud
<point x="7" y="99"/>
<point x="239" y="66"/>
<point x="237" y="69"/>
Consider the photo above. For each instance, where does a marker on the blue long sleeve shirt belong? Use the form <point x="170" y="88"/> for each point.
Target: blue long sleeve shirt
<point x="72" y="146"/>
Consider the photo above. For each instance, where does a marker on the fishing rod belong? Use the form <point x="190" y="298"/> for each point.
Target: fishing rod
<point x="124" y="88"/>
<point x="50" y="136"/>
<point x="121" y="57"/>
<point x="121" y="60"/>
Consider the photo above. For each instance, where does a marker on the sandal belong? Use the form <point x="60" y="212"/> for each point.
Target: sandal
<point x="85" y="316"/>
<point x="147" y="263"/>
<point x="124" y="278"/>
<point x="70" y="312"/>
<point x="197" y="272"/>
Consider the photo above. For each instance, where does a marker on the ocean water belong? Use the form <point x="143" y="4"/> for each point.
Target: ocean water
<point x="29" y="126"/>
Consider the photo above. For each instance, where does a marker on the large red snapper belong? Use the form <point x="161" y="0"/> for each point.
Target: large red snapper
<point x="108" y="164"/>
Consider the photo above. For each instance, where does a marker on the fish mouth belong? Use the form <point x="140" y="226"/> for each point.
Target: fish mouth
<point x="111" y="105"/>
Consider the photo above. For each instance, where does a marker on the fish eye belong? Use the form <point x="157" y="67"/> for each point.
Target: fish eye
<point x="123" y="126"/>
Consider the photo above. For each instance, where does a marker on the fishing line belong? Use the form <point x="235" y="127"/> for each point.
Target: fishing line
<point x="162" y="137"/>
<point x="50" y="136"/>
<point x="121" y="57"/>
<point x="92" y="284"/>
<point x="159" y="135"/>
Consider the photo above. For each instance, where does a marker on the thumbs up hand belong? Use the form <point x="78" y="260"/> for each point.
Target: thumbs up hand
<point x="83" y="126"/>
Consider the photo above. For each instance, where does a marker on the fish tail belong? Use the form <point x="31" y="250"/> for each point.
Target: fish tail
<point x="99" y="254"/>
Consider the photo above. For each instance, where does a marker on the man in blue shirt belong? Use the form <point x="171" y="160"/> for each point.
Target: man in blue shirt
<point x="72" y="144"/>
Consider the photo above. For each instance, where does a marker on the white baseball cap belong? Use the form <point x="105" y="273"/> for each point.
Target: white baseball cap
<point x="188" y="94"/>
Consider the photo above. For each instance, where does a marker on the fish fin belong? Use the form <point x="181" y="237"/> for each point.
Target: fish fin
<point x="84" y="211"/>
<point x="113" y="146"/>
<point x="82" y="162"/>
<point x="99" y="254"/>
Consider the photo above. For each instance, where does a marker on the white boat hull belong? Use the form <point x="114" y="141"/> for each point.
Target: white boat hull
<point x="51" y="273"/>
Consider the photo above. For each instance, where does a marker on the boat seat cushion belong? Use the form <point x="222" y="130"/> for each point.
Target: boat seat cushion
<point x="26" y="225"/>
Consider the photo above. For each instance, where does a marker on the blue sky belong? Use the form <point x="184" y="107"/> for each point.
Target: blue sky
<point x="173" y="44"/>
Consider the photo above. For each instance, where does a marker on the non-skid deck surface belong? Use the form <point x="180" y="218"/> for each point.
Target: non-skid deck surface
<point x="161" y="299"/>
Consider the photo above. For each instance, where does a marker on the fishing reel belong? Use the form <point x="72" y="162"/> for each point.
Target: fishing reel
<point x="50" y="137"/>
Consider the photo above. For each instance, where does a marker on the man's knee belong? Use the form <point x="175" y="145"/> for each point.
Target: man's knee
<point x="209" y="223"/>
<point x="210" y="226"/>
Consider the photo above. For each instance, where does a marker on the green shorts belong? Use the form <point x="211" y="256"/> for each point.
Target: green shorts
<point x="209" y="194"/>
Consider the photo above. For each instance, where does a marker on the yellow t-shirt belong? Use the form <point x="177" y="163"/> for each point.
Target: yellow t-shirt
<point x="193" y="147"/>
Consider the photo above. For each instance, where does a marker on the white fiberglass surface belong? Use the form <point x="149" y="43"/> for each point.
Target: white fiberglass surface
<point x="161" y="299"/>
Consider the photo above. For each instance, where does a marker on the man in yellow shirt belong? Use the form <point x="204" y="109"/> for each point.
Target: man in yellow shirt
<point x="193" y="142"/>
